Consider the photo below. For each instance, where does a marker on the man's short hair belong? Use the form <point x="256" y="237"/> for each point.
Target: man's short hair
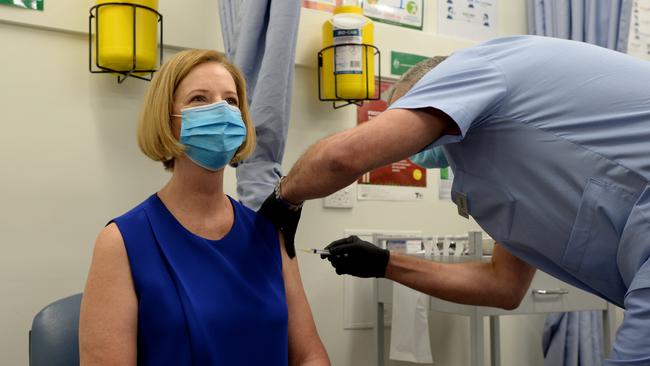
<point x="414" y="74"/>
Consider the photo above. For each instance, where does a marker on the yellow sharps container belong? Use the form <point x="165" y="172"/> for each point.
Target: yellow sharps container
<point x="350" y="65"/>
<point x="115" y="35"/>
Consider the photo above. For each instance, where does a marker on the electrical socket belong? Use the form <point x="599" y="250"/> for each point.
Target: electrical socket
<point x="343" y="198"/>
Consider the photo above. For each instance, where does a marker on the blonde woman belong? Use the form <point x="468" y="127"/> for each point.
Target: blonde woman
<point x="190" y="276"/>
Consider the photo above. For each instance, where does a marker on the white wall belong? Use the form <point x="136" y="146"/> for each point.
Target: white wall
<point x="68" y="157"/>
<point x="69" y="163"/>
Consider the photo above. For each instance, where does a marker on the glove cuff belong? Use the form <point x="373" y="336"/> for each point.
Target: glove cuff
<point x="384" y="262"/>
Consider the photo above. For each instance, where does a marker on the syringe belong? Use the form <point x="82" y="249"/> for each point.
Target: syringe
<point x="324" y="252"/>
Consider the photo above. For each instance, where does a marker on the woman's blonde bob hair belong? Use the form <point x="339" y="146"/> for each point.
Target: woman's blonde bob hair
<point x="155" y="136"/>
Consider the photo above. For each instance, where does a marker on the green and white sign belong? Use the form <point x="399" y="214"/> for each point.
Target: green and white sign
<point x="27" y="4"/>
<point x="400" y="62"/>
<point x="444" y="186"/>
<point x="405" y="13"/>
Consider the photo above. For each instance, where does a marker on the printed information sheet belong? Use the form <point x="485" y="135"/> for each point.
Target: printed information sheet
<point x="638" y="43"/>
<point x="404" y="13"/>
<point x="468" y="19"/>
<point x="399" y="181"/>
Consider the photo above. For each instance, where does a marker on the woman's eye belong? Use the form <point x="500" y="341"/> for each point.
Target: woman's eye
<point x="232" y="101"/>
<point x="198" y="98"/>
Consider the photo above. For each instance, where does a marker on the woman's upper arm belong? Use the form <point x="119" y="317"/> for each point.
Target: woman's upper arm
<point x="109" y="310"/>
<point x="305" y="346"/>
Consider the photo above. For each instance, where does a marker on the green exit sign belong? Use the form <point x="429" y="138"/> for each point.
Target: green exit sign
<point x="400" y="62"/>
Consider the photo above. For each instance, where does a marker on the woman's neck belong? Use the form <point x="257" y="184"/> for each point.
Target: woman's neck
<point x="194" y="189"/>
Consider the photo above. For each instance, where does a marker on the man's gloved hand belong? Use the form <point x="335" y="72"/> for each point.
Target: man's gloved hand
<point x="358" y="258"/>
<point x="284" y="218"/>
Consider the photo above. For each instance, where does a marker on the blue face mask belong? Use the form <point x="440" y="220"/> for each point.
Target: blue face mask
<point x="430" y="158"/>
<point x="212" y="133"/>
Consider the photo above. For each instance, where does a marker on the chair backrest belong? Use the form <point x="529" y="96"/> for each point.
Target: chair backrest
<point x="53" y="339"/>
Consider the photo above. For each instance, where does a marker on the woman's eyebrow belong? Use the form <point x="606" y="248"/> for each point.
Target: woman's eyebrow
<point x="197" y="90"/>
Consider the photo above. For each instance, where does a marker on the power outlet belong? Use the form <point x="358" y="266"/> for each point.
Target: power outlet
<point x="343" y="198"/>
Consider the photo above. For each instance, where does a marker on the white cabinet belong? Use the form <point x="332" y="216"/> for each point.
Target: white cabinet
<point x="546" y="295"/>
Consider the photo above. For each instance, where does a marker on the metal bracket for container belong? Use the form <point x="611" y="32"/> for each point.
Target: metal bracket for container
<point x="358" y="102"/>
<point x="121" y="75"/>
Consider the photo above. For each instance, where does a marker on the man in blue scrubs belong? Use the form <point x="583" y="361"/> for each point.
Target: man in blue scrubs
<point x="549" y="141"/>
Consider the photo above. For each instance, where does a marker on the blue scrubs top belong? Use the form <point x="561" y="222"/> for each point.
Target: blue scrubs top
<point x="553" y="159"/>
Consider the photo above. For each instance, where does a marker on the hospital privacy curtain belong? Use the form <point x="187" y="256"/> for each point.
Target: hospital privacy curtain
<point x="601" y="22"/>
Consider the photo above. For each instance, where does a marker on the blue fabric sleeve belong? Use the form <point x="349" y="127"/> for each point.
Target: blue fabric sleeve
<point x="467" y="87"/>
<point x="260" y="38"/>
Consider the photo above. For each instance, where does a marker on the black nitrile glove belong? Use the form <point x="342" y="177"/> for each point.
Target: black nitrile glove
<point x="358" y="258"/>
<point x="284" y="218"/>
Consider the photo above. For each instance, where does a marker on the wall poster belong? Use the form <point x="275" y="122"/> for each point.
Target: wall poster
<point x="469" y="19"/>
<point x="404" y="13"/>
<point x="401" y="62"/>
<point x="27" y="4"/>
<point x="325" y="5"/>
<point x="446" y="181"/>
<point x="638" y="41"/>
<point x="400" y="181"/>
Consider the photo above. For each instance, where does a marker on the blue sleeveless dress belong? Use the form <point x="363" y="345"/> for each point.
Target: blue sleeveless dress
<point x="206" y="302"/>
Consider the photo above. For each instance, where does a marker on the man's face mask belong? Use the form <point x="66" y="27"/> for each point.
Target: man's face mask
<point x="212" y="133"/>
<point x="430" y="158"/>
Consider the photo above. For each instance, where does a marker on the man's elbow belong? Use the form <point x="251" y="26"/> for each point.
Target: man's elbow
<point x="342" y="161"/>
<point x="512" y="300"/>
<point x="510" y="304"/>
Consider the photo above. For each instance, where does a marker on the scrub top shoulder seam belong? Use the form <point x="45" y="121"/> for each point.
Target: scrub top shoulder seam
<point x="499" y="103"/>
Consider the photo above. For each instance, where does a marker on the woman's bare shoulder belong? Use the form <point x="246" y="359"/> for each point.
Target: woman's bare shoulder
<point x="109" y="245"/>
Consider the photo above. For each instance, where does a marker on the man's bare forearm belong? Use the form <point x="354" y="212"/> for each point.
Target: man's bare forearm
<point x="500" y="283"/>
<point x="318" y="173"/>
<point x="339" y="160"/>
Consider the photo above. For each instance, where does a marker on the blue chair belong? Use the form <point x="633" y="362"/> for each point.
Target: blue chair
<point x="53" y="339"/>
